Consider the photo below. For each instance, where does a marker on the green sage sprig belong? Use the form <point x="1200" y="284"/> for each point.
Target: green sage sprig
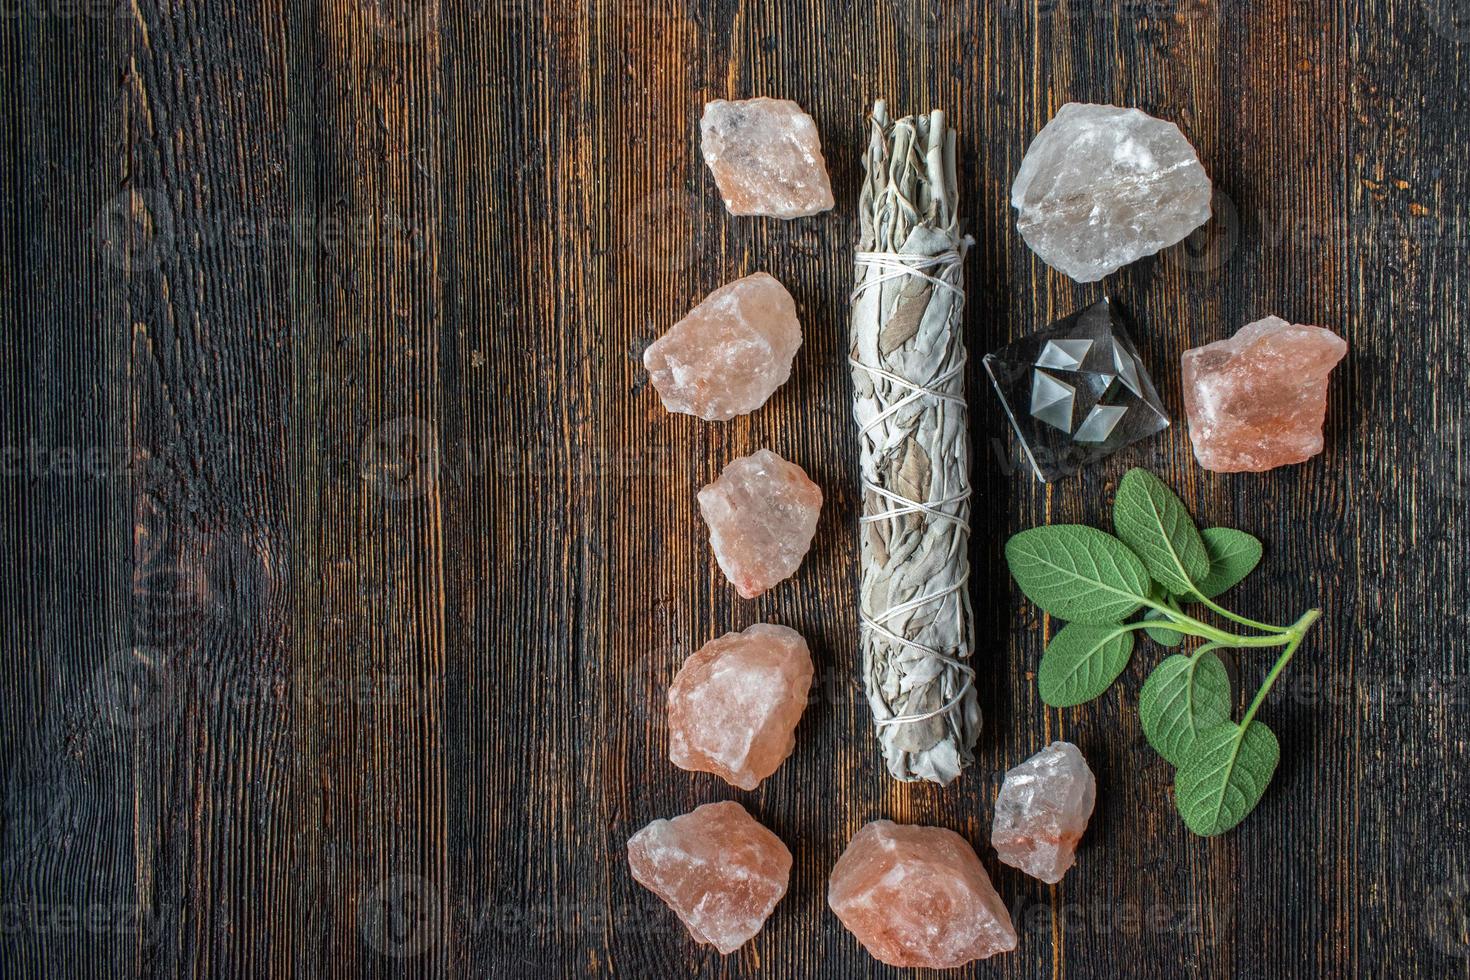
<point x="1160" y="563"/>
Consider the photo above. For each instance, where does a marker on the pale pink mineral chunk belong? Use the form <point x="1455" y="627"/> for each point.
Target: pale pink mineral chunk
<point x="918" y="896"/>
<point x="766" y="157"/>
<point x="734" y="705"/>
<point x="1257" y="400"/>
<point x="719" y="870"/>
<point x="762" y="513"/>
<point x="730" y="353"/>
<point x="1042" y="810"/>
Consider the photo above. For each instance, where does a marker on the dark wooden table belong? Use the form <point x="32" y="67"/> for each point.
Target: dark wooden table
<point x="347" y="553"/>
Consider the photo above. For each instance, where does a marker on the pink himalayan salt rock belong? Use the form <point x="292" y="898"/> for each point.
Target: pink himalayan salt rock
<point x="719" y="870"/>
<point x="730" y="353"/>
<point x="762" y="514"/>
<point x="734" y="705"/>
<point x="1257" y="400"/>
<point x="1042" y="810"/>
<point x="918" y="896"/>
<point x="766" y="157"/>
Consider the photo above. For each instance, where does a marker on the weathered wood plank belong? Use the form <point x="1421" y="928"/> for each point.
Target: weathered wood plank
<point x="70" y="748"/>
<point x="377" y="363"/>
<point x="1401" y="881"/>
<point x="207" y="321"/>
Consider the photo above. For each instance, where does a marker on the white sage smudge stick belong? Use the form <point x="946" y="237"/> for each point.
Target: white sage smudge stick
<point x="908" y="368"/>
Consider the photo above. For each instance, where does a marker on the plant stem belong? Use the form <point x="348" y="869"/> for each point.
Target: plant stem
<point x="1203" y="649"/>
<point x="1296" y="632"/>
<point x="1194" y="627"/>
<point x="1242" y="620"/>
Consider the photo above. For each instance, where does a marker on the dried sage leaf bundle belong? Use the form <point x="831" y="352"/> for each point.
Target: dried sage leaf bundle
<point x="908" y="368"/>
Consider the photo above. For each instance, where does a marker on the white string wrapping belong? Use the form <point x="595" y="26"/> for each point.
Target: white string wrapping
<point x="908" y="367"/>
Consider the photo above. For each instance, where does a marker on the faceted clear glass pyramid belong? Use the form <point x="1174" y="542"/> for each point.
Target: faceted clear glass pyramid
<point x="1076" y="391"/>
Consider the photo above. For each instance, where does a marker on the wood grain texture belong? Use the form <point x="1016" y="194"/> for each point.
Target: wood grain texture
<point x="346" y="554"/>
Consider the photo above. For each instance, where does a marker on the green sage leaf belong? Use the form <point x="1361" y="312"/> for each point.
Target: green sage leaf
<point x="1233" y="555"/>
<point x="1183" y="697"/>
<point x="1224" y="776"/>
<point x="1162" y="635"/>
<point x="1081" y="662"/>
<point x="1078" y="573"/>
<point x="1154" y="523"/>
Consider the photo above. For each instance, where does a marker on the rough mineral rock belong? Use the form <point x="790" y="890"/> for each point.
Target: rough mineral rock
<point x="1257" y="400"/>
<point x="719" y="870"/>
<point x="730" y="352"/>
<point x="1042" y="810"/>
<point x="734" y="705"/>
<point x="766" y="157"/>
<point x="1101" y="187"/>
<point x="918" y="896"/>
<point x="762" y="513"/>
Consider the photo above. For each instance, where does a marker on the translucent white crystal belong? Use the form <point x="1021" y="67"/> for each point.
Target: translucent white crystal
<point x="1042" y="810"/>
<point x="1101" y="187"/>
<point x="766" y="157"/>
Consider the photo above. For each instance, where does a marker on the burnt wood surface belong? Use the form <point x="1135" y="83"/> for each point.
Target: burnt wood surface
<point x="346" y="552"/>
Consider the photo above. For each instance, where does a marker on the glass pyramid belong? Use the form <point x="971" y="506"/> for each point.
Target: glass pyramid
<point x="1076" y="391"/>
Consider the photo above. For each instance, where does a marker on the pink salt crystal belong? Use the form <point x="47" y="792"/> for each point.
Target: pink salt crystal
<point x="766" y="157"/>
<point x="1042" y="810"/>
<point x="762" y="513"/>
<point x="1257" y="400"/>
<point x="728" y="355"/>
<point x="719" y="870"/>
<point x="734" y="705"/>
<point x="918" y="896"/>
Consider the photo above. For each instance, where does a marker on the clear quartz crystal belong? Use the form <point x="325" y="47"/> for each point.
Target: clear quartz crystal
<point x="1102" y="186"/>
<point x="1076" y="392"/>
<point x="1042" y="811"/>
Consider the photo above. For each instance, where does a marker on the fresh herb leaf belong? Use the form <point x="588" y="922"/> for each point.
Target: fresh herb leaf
<point x="1181" y="698"/>
<point x="1153" y="522"/>
<point x="1233" y="555"/>
<point x="1081" y="662"/>
<point x="1225" y="776"/>
<point x="1078" y="573"/>
<point x="1159" y="633"/>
